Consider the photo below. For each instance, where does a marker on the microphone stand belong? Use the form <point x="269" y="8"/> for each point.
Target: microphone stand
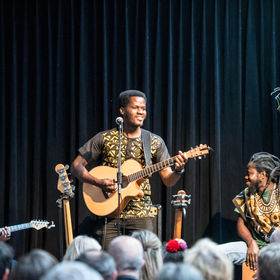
<point x="119" y="177"/>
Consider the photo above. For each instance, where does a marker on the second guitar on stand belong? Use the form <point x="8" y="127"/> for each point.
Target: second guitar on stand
<point x="64" y="186"/>
<point x="180" y="205"/>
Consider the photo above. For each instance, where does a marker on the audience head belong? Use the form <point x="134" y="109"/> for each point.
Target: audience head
<point x="127" y="252"/>
<point x="6" y="256"/>
<point x="179" y="271"/>
<point x="269" y="262"/>
<point x="79" y="245"/>
<point x="70" y="270"/>
<point x="33" y="265"/>
<point x="275" y="237"/>
<point x="152" y="253"/>
<point x="101" y="262"/>
<point x="206" y="256"/>
<point x="173" y="250"/>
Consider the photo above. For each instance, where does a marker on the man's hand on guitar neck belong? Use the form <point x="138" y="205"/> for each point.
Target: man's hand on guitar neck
<point x="170" y="177"/>
<point x="181" y="160"/>
<point x="5" y="234"/>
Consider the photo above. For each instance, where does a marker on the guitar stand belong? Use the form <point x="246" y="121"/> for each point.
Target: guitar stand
<point x="119" y="176"/>
<point x="59" y="203"/>
<point x="180" y="204"/>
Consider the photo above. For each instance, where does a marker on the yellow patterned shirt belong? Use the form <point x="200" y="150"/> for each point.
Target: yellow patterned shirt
<point x="261" y="213"/>
<point x="103" y="150"/>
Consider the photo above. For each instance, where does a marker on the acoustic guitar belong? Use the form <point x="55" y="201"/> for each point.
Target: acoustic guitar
<point x="37" y="224"/>
<point x="64" y="186"/>
<point x="106" y="204"/>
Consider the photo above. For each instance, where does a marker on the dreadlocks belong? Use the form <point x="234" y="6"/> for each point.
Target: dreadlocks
<point x="269" y="163"/>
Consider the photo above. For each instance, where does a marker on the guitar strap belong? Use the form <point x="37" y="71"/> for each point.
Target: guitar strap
<point x="146" y="139"/>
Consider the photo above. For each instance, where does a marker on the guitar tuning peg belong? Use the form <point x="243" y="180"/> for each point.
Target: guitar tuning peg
<point x="66" y="166"/>
<point x="204" y="156"/>
<point x="200" y="157"/>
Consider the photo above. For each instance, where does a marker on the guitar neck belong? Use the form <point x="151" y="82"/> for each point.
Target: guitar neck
<point x="178" y="224"/>
<point x="67" y="222"/>
<point x="18" y="227"/>
<point x="151" y="169"/>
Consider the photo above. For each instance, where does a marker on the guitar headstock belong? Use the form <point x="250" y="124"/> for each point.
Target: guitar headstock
<point x="182" y="199"/>
<point x="38" y="224"/>
<point x="198" y="151"/>
<point x="277" y="97"/>
<point x="63" y="184"/>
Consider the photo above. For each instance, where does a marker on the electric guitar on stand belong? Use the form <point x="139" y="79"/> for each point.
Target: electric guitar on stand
<point x="180" y="204"/>
<point x="66" y="189"/>
<point x="101" y="203"/>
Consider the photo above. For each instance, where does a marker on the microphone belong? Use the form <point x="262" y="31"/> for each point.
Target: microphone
<point x="119" y="120"/>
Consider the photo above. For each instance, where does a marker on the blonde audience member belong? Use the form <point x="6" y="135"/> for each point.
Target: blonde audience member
<point x="152" y="253"/>
<point x="79" y="245"/>
<point x="206" y="256"/>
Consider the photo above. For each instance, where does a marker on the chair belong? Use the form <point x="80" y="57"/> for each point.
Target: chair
<point x="247" y="272"/>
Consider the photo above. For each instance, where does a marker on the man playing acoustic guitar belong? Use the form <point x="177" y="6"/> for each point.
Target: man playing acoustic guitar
<point x="103" y="148"/>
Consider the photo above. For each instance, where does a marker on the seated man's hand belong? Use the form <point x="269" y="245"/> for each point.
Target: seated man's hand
<point x="5" y="234"/>
<point x="252" y="255"/>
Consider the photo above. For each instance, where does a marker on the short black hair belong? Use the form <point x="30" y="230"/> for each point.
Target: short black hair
<point x="124" y="96"/>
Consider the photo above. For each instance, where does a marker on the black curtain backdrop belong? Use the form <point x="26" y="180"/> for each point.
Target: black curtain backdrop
<point x="207" y="67"/>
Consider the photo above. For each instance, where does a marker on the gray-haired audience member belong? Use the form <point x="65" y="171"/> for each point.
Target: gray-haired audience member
<point x="70" y="270"/>
<point x="127" y="252"/>
<point x="269" y="262"/>
<point x="101" y="262"/>
<point x="6" y="256"/>
<point x="33" y="265"/>
<point x="152" y="247"/>
<point x="80" y="244"/>
<point x="275" y="237"/>
<point x="179" y="271"/>
<point x="206" y="256"/>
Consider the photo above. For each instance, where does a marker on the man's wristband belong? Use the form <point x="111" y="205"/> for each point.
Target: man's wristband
<point x="180" y="172"/>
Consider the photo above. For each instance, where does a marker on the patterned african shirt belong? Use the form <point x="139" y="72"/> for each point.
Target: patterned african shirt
<point x="262" y="213"/>
<point x="103" y="149"/>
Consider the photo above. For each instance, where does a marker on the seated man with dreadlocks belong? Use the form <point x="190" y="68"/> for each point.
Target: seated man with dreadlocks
<point x="258" y="206"/>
